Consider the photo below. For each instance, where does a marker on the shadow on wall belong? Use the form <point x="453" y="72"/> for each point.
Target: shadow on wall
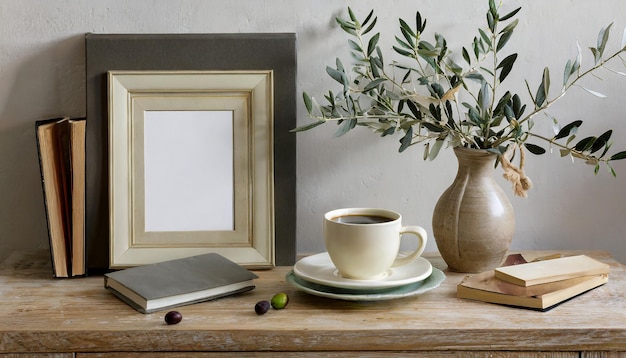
<point x="574" y="210"/>
<point x="42" y="83"/>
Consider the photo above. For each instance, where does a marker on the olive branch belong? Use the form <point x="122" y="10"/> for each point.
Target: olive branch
<point x="420" y="99"/>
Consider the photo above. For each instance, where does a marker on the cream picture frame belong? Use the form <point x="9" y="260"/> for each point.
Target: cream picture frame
<point x="191" y="166"/>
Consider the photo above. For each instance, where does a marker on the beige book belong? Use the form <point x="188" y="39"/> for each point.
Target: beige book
<point x="77" y="152"/>
<point x="486" y="281"/>
<point x="55" y="199"/>
<point x="563" y="268"/>
<point x="541" y="299"/>
<point x="61" y="150"/>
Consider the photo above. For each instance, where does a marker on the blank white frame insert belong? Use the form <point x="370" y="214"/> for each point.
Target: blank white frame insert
<point x="188" y="170"/>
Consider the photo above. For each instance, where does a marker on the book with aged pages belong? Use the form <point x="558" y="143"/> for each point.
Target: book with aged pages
<point x="169" y="284"/>
<point x="534" y="273"/>
<point x="61" y="150"/>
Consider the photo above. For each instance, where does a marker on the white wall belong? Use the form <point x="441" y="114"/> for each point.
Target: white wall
<point x="42" y="75"/>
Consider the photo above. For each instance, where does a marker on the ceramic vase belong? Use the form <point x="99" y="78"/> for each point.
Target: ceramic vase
<point x="473" y="221"/>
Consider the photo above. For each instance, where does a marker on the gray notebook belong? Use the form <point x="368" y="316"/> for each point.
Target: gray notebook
<point x="179" y="282"/>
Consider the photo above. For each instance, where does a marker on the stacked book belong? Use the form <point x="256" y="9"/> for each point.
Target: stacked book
<point x="539" y="285"/>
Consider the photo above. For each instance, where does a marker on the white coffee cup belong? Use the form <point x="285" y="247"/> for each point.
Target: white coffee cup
<point x="363" y="243"/>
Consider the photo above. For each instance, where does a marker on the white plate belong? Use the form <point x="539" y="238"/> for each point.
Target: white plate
<point x="319" y="268"/>
<point x="412" y="289"/>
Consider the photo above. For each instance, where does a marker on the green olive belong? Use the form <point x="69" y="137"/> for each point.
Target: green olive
<point x="280" y="300"/>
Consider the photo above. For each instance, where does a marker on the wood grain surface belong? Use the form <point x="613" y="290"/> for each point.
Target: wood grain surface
<point x="42" y="314"/>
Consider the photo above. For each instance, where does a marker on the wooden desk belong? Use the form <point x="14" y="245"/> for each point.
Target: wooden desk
<point x="66" y="316"/>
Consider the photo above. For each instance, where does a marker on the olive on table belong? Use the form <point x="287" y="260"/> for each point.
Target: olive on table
<point x="173" y="317"/>
<point x="280" y="300"/>
<point x="261" y="307"/>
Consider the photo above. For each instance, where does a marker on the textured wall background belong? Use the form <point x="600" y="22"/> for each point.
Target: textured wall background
<point x="42" y="75"/>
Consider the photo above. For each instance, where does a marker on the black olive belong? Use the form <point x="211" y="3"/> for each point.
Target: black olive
<point x="173" y="317"/>
<point x="261" y="307"/>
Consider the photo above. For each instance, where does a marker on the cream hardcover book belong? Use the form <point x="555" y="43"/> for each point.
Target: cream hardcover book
<point x="534" y="273"/>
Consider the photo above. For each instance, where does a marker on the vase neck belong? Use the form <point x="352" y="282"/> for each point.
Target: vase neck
<point x="476" y="161"/>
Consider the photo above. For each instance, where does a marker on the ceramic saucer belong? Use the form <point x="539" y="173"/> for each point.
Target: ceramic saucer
<point x="319" y="269"/>
<point x="412" y="289"/>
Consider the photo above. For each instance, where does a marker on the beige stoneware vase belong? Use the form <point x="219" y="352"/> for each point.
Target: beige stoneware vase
<point x="473" y="221"/>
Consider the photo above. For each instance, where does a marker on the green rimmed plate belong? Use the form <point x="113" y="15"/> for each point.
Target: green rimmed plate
<point x="433" y="281"/>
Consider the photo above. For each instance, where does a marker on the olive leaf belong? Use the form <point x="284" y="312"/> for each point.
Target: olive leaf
<point x="568" y="129"/>
<point x="507" y="32"/>
<point x="373" y="84"/>
<point x="405" y="142"/>
<point x="345" y="127"/>
<point x="618" y="156"/>
<point x="597" y="94"/>
<point x="542" y="92"/>
<point x="336" y="75"/>
<point x="308" y="103"/>
<point x="308" y="126"/>
<point x="510" y="15"/>
<point x="601" y="141"/>
<point x="373" y="42"/>
<point x="603" y="37"/>
<point x="585" y="143"/>
<point x="506" y="66"/>
<point x="535" y="149"/>
<point x="434" y="151"/>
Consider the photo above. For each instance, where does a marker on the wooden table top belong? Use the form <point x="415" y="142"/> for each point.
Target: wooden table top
<point x="39" y="313"/>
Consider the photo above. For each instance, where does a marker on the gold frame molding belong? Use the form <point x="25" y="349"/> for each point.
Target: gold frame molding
<point x="249" y="96"/>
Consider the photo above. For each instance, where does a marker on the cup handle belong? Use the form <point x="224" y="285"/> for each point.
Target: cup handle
<point x="421" y="235"/>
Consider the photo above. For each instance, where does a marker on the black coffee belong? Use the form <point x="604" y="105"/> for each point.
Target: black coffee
<point x="361" y="219"/>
